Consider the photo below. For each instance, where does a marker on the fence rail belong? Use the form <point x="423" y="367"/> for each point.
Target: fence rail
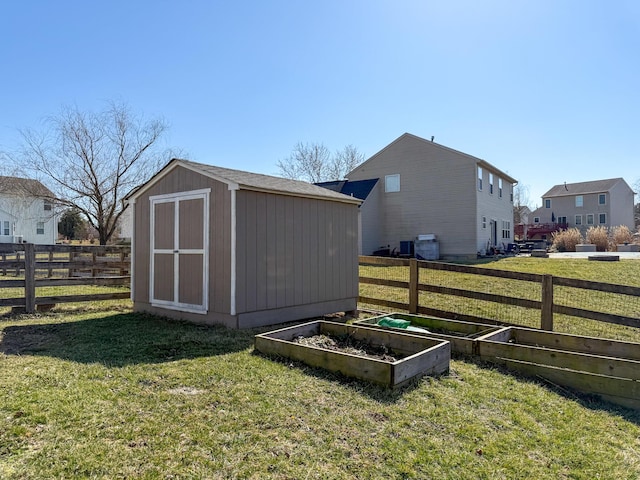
<point x="445" y="286"/>
<point x="62" y="265"/>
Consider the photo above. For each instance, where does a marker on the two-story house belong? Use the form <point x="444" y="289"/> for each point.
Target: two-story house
<point x="425" y="188"/>
<point x="607" y="203"/>
<point x="27" y="212"/>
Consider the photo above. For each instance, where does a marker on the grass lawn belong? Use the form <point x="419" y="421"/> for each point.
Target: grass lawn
<point x="111" y="394"/>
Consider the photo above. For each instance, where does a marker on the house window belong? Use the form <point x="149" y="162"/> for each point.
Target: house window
<point x="562" y="220"/>
<point x="484" y="222"/>
<point x="602" y="199"/>
<point x="536" y="219"/>
<point x="589" y="218"/>
<point x="40" y="228"/>
<point x="392" y="183"/>
<point x="491" y="183"/>
<point x="578" y="219"/>
<point x="500" y="187"/>
<point x="579" y="200"/>
<point x="602" y="218"/>
<point x="506" y="229"/>
<point x="5" y="228"/>
<point x="480" y="178"/>
<point x="47" y="206"/>
<point x="547" y="203"/>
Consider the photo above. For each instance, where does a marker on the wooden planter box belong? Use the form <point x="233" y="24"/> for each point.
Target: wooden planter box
<point x="608" y="368"/>
<point x="422" y="356"/>
<point x="461" y="334"/>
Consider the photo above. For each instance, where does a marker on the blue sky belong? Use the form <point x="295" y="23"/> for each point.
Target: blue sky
<point x="546" y="90"/>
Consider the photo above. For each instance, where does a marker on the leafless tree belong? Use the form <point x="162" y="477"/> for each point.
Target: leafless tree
<point x="520" y="203"/>
<point x="92" y="160"/>
<point x="314" y="163"/>
<point x="343" y="162"/>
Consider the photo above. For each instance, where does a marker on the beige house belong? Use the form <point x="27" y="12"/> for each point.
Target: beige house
<point x="607" y="203"/>
<point x="428" y="189"/>
<point x="215" y="245"/>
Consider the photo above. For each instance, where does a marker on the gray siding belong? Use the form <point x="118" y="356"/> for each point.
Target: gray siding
<point x="437" y="195"/>
<point x="622" y="206"/>
<point x="294" y="251"/>
<point x="181" y="180"/>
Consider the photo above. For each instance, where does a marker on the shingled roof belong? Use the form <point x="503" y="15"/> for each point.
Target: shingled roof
<point x="250" y="181"/>
<point x="23" y="186"/>
<point x="582" y="188"/>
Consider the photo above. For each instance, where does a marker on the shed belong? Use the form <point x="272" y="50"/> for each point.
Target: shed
<point x="220" y="246"/>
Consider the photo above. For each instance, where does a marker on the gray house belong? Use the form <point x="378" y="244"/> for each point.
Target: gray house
<point x="215" y="245"/>
<point x="607" y="203"/>
<point x="428" y="189"/>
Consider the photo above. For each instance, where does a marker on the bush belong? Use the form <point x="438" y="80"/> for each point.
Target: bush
<point x="620" y="235"/>
<point x="598" y="236"/>
<point x="566" y="240"/>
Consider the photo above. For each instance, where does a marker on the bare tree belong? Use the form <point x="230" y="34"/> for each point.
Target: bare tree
<point x="520" y="203"/>
<point x="314" y="163"/>
<point x="343" y="162"/>
<point x="91" y="160"/>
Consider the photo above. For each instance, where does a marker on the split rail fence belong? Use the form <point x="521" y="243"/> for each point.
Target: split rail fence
<point x="36" y="266"/>
<point x="492" y="296"/>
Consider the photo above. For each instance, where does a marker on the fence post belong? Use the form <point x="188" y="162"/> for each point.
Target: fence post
<point x="29" y="278"/>
<point x="546" y="314"/>
<point x="413" y="285"/>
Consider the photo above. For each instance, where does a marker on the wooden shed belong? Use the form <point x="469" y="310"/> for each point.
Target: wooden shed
<point x="215" y="245"/>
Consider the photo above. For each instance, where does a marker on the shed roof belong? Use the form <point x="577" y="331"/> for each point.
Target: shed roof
<point x="23" y="186"/>
<point x="583" y="188"/>
<point x="241" y="180"/>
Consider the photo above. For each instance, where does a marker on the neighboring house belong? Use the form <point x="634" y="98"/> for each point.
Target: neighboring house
<point x="606" y="203"/>
<point x="215" y="245"/>
<point x="426" y="188"/>
<point x="27" y="212"/>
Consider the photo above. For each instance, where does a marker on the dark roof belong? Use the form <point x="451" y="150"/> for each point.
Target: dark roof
<point x="24" y="186"/>
<point x="250" y="181"/>
<point x="356" y="188"/>
<point x="582" y="188"/>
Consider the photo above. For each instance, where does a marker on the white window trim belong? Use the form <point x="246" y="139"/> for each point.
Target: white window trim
<point x="579" y="204"/>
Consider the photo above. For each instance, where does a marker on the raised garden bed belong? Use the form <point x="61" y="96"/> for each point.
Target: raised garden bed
<point x="608" y="368"/>
<point x="380" y="356"/>
<point x="461" y="334"/>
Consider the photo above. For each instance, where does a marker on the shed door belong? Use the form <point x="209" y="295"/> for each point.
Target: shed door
<point x="179" y="251"/>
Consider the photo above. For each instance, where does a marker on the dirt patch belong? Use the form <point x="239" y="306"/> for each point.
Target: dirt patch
<point x="348" y="344"/>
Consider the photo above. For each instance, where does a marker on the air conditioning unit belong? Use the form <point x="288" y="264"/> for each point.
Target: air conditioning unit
<point x="18" y="238"/>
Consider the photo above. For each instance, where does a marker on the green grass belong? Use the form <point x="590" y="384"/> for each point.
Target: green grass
<point x="625" y="272"/>
<point x="114" y="394"/>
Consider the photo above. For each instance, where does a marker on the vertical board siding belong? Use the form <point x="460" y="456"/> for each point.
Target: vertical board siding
<point x="163" y="282"/>
<point x="306" y="251"/>
<point x="180" y="180"/>
<point x="191" y="224"/>
<point x="191" y="267"/>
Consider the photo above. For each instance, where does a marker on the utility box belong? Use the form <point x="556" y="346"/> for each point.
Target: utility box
<point x="426" y="247"/>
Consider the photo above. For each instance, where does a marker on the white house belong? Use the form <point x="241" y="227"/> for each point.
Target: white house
<point x="27" y="212"/>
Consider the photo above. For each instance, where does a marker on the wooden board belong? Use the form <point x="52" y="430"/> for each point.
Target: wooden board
<point x="461" y="334"/>
<point x="424" y="356"/>
<point x="604" y="367"/>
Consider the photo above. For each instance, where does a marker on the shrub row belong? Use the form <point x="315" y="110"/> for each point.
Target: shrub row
<point x="601" y="237"/>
